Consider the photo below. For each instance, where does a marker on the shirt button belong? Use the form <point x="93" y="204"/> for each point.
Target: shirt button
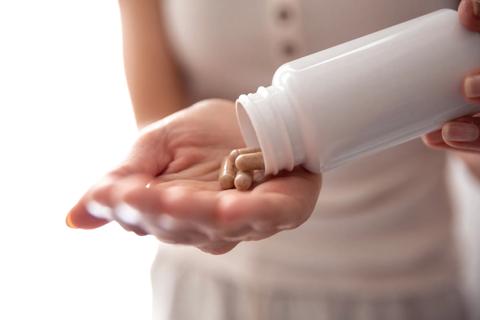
<point x="284" y="13"/>
<point x="289" y="49"/>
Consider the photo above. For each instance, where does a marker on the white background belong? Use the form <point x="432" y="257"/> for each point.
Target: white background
<point x="65" y="117"/>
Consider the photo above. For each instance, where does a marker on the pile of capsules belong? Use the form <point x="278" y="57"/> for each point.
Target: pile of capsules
<point x="241" y="168"/>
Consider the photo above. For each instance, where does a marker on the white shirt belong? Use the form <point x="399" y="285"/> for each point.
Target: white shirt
<point x="382" y="223"/>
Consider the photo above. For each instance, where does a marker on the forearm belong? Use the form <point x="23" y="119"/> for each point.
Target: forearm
<point x="154" y="82"/>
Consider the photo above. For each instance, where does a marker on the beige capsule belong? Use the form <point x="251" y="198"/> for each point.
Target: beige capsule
<point x="250" y="162"/>
<point x="236" y="152"/>
<point x="226" y="176"/>
<point x="259" y="176"/>
<point x="243" y="180"/>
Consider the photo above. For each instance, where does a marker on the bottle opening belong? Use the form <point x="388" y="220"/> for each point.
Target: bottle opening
<point x="253" y="130"/>
<point x="262" y="126"/>
<point x="246" y="126"/>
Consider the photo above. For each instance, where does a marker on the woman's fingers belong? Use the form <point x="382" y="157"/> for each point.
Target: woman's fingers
<point x="92" y="211"/>
<point x="462" y="134"/>
<point x="265" y="213"/>
<point x="175" y="215"/>
<point x="469" y="13"/>
<point x="280" y="203"/>
<point x="471" y="87"/>
<point x="94" y="208"/>
<point x="197" y="213"/>
<point x="435" y="140"/>
<point x="183" y="212"/>
<point x="185" y="203"/>
<point x="147" y="157"/>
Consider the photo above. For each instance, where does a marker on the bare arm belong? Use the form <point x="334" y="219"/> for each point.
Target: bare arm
<point x="153" y="79"/>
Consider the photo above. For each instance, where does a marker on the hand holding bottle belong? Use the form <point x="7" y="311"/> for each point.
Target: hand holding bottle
<point x="168" y="186"/>
<point x="463" y="134"/>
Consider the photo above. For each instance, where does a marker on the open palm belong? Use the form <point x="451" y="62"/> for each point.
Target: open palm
<point x="168" y="187"/>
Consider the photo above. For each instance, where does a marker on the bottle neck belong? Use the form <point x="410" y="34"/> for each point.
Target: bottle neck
<point x="268" y="120"/>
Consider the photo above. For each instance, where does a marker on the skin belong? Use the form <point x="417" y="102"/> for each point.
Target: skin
<point x="180" y="157"/>
<point x="154" y="81"/>
<point x="172" y="169"/>
<point x="468" y="151"/>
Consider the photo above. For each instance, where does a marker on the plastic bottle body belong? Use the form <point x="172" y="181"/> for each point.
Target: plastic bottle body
<point x="363" y="96"/>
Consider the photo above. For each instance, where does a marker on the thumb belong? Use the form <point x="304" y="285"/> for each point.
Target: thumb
<point x="469" y="13"/>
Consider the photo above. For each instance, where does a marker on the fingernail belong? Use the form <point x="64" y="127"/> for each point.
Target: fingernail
<point x="98" y="210"/>
<point x="460" y="132"/>
<point x="472" y="87"/>
<point x="69" y="222"/>
<point x="476" y="7"/>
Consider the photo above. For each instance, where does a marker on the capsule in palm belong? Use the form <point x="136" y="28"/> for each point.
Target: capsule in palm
<point x="250" y="162"/>
<point x="227" y="173"/>
<point x="243" y="180"/>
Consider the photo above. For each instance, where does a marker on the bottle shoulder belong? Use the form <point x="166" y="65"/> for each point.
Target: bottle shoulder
<point x="285" y="76"/>
<point x="386" y="38"/>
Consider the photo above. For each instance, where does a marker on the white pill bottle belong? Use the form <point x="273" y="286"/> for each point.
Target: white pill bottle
<point x="362" y="96"/>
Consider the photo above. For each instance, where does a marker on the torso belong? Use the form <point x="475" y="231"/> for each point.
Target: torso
<point x="386" y="214"/>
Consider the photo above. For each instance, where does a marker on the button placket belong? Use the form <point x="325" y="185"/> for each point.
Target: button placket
<point x="286" y="30"/>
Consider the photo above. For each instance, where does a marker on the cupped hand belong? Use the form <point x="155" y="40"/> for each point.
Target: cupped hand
<point x="462" y="135"/>
<point x="168" y="187"/>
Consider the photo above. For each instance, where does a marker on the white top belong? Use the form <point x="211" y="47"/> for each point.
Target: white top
<point x="382" y="223"/>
